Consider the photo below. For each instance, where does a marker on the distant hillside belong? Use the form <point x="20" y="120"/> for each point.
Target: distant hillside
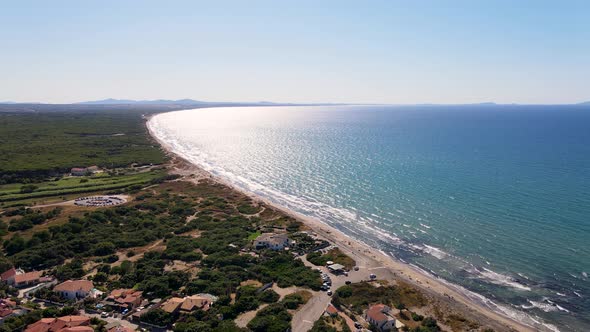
<point x="111" y="101"/>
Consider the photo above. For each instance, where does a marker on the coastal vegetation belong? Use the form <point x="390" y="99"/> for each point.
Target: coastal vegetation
<point x="36" y="146"/>
<point x="172" y="238"/>
<point x="333" y="255"/>
<point x="356" y="297"/>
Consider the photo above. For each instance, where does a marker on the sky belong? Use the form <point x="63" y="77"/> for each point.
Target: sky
<point x="398" y="52"/>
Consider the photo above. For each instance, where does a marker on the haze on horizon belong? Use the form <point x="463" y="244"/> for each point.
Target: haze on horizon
<point x="304" y="51"/>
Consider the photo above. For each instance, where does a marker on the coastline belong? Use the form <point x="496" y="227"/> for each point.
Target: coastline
<point x="453" y="297"/>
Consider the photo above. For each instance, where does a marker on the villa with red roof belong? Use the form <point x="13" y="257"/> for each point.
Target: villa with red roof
<point x="187" y="304"/>
<point x="124" y="299"/>
<point x="19" y="278"/>
<point x="380" y="317"/>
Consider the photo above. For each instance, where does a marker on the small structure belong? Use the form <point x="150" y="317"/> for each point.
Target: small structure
<point x="379" y="316"/>
<point x="272" y="241"/>
<point x="74" y="289"/>
<point x="336" y="268"/>
<point x="61" y="324"/>
<point x="82" y="171"/>
<point x="121" y="299"/>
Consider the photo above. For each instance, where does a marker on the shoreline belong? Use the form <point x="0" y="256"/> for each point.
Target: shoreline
<point x="386" y="266"/>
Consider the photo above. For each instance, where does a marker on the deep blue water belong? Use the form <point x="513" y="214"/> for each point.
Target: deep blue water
<point x="493" y="198"/>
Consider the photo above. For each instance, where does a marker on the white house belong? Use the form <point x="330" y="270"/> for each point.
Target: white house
<point x="74" y="289"/>
<point x="379" y="316"/>
<point x="272" y="241"/>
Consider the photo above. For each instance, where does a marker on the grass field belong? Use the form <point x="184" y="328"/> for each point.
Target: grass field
<point x="72" y="185"/>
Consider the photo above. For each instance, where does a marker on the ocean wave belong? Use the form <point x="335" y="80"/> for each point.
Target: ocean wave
<point x="498" y="278"/>
<point x="545" y="305"/>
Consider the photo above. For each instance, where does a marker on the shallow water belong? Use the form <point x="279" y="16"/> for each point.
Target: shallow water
<point x="493" y="198"/>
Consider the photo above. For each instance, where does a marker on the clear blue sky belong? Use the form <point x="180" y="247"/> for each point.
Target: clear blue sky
<point x="296" y="51"/>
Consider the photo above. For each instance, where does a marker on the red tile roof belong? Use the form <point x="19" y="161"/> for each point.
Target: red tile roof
<point x="42" y="325"/>
<point x="376" y="313"/>
<point x="8" y="274"/>
<point x="331" y="309"/>
<point x="61" y="324"/>
<point x="27" y="277"/>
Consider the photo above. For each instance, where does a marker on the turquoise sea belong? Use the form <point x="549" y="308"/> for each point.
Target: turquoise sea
<point x="494" y="199"/>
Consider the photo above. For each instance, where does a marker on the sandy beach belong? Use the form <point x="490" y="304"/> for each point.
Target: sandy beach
<point x="448" y="297"/>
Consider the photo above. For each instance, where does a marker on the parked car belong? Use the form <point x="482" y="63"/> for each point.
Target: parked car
<point x="329" y="293"/>
<point x="356" y="268"/>
<point x="104" y="314"/>
<point x="348" y="282"/>
<point x="372" y="276"/>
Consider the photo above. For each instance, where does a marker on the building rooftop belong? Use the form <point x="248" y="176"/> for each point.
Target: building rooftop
<point x="336" y="267"/>
<point x="74" y="285"/>
<point x="376" y="313"/>
<point x="27" y="277"/>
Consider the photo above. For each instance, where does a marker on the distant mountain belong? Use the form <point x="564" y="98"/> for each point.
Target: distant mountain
<point x="584" y="103"/>
<point x="111" y="101"/>
<point x="8" y="102"/>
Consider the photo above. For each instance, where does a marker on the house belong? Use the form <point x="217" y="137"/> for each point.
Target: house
<point x="8" y="276"/>
<point x="19" y="278"/>
<point x="187" y="304"/>
<point x="272" y="241"/>
<point x="82" y="171"/>
<point x="61" y="324"/>
<point x="122" y="299"/>
<point x="74" y="289"/>
<point x="194" y="302"/>
<point x="29" y="279"/>
<point x="379" y="316"/>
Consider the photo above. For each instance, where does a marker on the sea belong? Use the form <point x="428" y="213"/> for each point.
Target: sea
<point x="493" y="199"/>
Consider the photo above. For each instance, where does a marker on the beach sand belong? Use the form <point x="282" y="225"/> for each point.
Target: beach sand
<point x="449" y="298"/>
